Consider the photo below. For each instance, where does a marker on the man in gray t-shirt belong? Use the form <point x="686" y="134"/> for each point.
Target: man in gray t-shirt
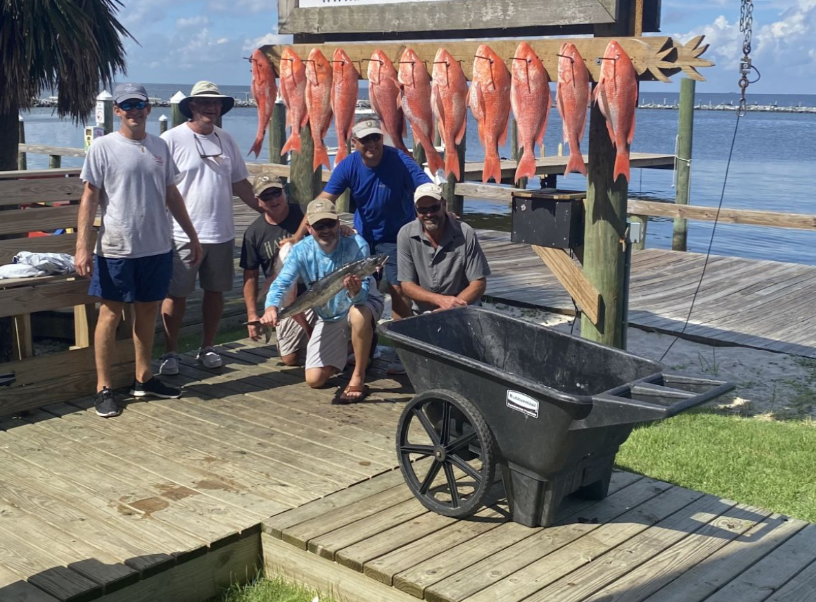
<point x="439" y="261"/>
<point x="130" y="176"/>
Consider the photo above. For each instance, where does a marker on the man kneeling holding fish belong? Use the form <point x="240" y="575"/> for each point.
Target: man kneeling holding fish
<point x="324" y="259"/>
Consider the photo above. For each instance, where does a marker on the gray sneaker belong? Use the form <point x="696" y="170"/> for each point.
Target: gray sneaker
<point x="208" y="358"/>
<point x="105" y="404"/>
<point x="396" y="367"/>
<point x="169" y="364"/>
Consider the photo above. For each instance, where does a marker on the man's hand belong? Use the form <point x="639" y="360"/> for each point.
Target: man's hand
<point x="255" y="331"/>
<point x="353" y="285"/>
<point x="448" y="302"/>
<point x="270" y="317"/>
<point x="83" y="261"/>
<point x="196" y="252"/>
<point x="347" y="230"/>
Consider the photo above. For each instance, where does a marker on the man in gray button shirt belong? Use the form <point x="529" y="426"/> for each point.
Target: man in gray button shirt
<point x="439" y="261"/>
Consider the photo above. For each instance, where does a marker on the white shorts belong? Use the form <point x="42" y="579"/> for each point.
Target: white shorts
<point x="329" y="343"/>
<point x="291" y="336"/>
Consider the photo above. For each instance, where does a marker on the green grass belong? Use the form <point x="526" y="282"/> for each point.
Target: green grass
<point x="270" y="590"/>
<point x="192" y="342"/>
<point x="758" y="462"/>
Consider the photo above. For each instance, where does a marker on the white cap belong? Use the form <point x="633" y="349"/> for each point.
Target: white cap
<point x="428" y="190"/>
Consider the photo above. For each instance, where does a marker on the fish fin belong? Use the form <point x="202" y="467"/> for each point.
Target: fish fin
<point x="526" y="166"/>
<point x="438" y="107"/>
<point x="342" y="152"/>
<point x="375" y="106"/>
<point x="576" y="160"/>
<point x="505" y="129"/>
<point x="631" y="135"/>
<point x="256" y="146"/>
<point x="293" y="143"/>
<point x="452" y="163"/>
<point x="321" y="157"/>
<point x="477" y="108"/>
<point x="492" y="166"/>
<point x="460" y="135"/>
<point x="622" y="164"/>
<point x="435" y="162"/>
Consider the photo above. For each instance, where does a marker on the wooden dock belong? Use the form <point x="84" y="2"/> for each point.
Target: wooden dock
<point x="176" y="499"/>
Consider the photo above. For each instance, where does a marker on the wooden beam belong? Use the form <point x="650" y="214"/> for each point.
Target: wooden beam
<point x="23" y="343"/>
<point x="571" y="277"/>
<point x="40" y="173"/>
<point x="84" y="325"/>
<point x="655" y="58"/>
<point x="60" y="151"/>
<point x="34" y="220"/>
<point x="797" y="221"/>
<point x="45" y="190"/>
<point x="44" y="297"/>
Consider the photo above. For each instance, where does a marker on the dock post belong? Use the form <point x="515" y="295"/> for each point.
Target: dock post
<point x="277" y="134"/>
<point x="104" y="111"/>
<point x="305" y="182"/>
<point x="54" y="161"/>
<point x="162" y="124"/>
<point x="643" y="220"/>
<point x="685" y="136"/>
<point x="22" y="161"/>
<point x="605" y="236"/>
<point x="176" y="118"/>
<point x="456" y="202"/>
<point x="516" y="149"/>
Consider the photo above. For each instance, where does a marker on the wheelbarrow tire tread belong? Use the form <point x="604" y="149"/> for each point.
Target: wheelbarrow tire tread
<point x="486" y="444"/>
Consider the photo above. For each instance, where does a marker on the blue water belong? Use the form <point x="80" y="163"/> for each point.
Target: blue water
<point x="773" y="166"/>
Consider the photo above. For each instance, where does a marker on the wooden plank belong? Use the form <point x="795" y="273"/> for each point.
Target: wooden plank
<point x="37" y="219"/>
<point x="318" y="573"/>
<point x="23" y="344"/>
<point x="22" y="591"/>
<point x="202" y="578"/>
<point x="84" y="324"/>
<point x="39" y="173"/>
<point x="773" y="571"/>
<point x="63" y="243"/>
<point x="60" y="151"/>
<point x="801" y="588"/>
<point x="64" y="363"/>
<point x="48" y="296"/>
<point x="24" y="191"/>
<point x="572" y="278"/>
<point x="774" y="219"/>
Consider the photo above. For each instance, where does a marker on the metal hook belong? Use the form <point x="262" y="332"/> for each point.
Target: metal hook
<point x="604" y="58"/>
<point x="564" y="56"/>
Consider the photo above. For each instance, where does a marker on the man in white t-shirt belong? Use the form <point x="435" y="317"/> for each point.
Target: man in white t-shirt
<point x="130" y="176"/>
<point x="212" y="170"/>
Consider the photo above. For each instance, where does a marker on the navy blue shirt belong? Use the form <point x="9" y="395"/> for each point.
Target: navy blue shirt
<point x="384" y="195"/>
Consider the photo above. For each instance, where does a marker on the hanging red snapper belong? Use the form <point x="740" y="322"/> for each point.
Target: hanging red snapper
<point x="318" y="104"/>
<point x="530" y="98"/>
<point x="386" y="97"/>
<point x="345" y="88"/>
<point x="489" y="101"/>
<point x="449" y="103"/>
<point x="265" y="92"/>
<point x="617" y="96"/>
<point x="416" y="104"/>
<point x="572" y="99"/>
<point x="293" y="91"/>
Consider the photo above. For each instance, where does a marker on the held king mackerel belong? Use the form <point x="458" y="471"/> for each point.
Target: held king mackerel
<point x="327" y="287"/>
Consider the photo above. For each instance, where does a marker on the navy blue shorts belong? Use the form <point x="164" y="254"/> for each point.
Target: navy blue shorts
<point x="143" y="279"/>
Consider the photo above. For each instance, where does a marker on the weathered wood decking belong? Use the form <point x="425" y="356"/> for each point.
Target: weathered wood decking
<point x="166" y="502"/>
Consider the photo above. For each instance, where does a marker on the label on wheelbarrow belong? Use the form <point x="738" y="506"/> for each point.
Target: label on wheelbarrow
<point x="522" y="403"/>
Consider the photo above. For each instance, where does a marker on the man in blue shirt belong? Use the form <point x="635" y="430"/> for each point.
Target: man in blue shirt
<point x="351" y="313"/>
<point x="382" y="181"/>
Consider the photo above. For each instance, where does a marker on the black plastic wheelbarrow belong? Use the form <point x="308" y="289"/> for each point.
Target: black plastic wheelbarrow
<point x="550" y="409"/>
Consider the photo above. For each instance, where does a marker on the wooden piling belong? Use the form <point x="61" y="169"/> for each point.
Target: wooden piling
<point x="604" y="249"/>
<point x="456" y="203"/>
<point x="277" y="134"/>
<point x="104" y="111"/>
<point x="305" y="183"/>
<point x="516" y="149"/>
<point x="22" y="161"/>
<point x="176" y="118"/>
<point x="162" y="124"/>
<point x="54" y="161"/>
<point x="685" y="136"/>
<point x="643" y="220"/>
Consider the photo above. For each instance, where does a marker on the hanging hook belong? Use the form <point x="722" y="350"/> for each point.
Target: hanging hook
<point x="564" y="56"/>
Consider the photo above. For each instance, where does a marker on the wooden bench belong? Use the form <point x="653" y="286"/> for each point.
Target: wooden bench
<point x="48" y="200"/>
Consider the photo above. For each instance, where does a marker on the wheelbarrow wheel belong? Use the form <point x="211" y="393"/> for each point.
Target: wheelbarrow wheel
<point x="446" y="453"/>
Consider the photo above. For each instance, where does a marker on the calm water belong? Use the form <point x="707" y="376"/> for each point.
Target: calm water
<point x="773" y="168"/>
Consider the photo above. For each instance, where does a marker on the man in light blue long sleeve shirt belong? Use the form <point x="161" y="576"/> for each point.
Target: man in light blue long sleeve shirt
<point x="352" y="313"/>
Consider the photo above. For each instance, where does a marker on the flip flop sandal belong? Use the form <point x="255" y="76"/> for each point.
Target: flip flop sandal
<point x="344" y="399"/>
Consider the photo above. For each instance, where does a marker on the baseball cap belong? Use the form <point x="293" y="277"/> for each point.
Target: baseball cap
<point x="364" y="128"/>
<point x="428" y="190"/>
<point x="320" y="209"/>
<point x="263" y="183"/>
<point x="129" y="91"/>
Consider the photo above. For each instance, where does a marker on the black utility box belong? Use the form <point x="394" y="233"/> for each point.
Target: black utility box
<point x="548" y="218"/>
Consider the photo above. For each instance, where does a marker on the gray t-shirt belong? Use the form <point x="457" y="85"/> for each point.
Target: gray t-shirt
<point x="446" y="270"/>
<point x="133" y="176"/>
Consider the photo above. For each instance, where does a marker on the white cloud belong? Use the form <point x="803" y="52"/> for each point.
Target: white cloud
<point x="251" y="6"/>
<point x="266" y="40"/>
<point x="197" y="21"/>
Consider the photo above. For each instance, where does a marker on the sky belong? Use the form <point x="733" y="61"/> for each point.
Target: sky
<point x="183" y="41"/>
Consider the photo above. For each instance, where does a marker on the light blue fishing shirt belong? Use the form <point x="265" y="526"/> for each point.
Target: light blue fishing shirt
<point x="309" y="262"/>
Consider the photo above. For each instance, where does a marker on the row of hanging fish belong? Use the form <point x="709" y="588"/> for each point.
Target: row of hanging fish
<point x="316" y="91"/>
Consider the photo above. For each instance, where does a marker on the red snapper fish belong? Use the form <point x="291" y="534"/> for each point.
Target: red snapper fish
<point x="572" y="99"/>
<point x="489" y="100"/>
<point x="385" y="94"/>
<point x="449" y="103"/>
<point x="293" y="91"/>
<point x="416" y="104"/>
<point x="265" y="92"/>
<point x="318" y="104"/>
<point x="345" y="87"/>
<point x="617" y="96"/>
<point x="530" y="98"/>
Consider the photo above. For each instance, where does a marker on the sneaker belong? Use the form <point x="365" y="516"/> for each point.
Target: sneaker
<point x="105" y="404"/>
<point x="396" y="368"/>
<point x="208" y="358"/>
<point x="154" y="387"/>
<point x="169" y="364"/>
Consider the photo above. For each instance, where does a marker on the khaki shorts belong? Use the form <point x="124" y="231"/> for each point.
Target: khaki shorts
<point x="215" y="272"/>
<point x="329" y="343"/>
<point x="291" y="337"/>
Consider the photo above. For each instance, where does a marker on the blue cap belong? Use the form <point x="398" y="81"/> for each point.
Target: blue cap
<point x="129" y="91"/>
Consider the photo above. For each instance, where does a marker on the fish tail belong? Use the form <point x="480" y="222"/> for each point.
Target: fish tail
<point x="622" y="164"/>
<point x="576" y="160"/>
<point x="293" y="143"/>
<point x="321" y="157"/>
<point x="452" y="162"/>
<point x="526" y="166"/>
<point x="256" y="146"/>
<point x="492" y="166"/>
<point x="435" y="162"/>
<point x="342" y="152"/>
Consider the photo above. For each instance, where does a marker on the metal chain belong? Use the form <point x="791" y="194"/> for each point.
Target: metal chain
<point x="746" y="27"/>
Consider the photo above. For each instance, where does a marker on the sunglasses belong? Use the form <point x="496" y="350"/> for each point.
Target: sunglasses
<point x="200" y="147"/>
<point x="370" y="138"/>
<point x="428" y="210"/>
<point x="325" y="224"/>
<point x="270" y="194"/>
<point x="128" y="105"/>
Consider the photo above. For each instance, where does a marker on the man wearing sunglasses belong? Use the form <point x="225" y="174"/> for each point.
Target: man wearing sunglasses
<point x="441" y="264"/>
<point x="262" y="251"/>
<point x="130" y="175"/>
<point x="350" y="314"/>
<point x="212" y="171"/>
